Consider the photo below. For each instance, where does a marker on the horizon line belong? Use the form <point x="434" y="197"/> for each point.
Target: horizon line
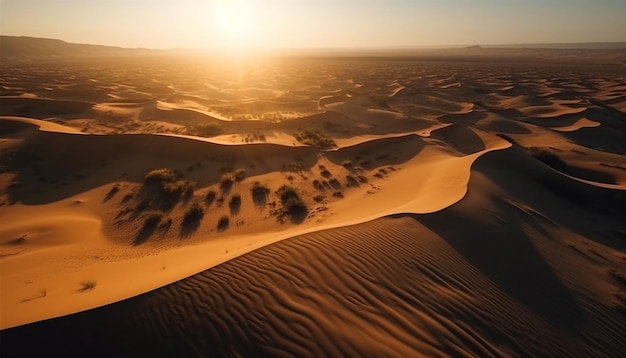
<point x="544" y="45"/>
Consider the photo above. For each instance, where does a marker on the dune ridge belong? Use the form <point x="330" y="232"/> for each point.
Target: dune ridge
<point x="401" y="285"/>
<point x="446" y="205"/>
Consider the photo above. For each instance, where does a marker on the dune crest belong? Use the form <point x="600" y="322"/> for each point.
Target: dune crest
<point x="446" y="203"/>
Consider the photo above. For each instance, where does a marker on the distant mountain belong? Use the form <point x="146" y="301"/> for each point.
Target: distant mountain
<point x="20" y="47"/>
<point x="567" y="46"/>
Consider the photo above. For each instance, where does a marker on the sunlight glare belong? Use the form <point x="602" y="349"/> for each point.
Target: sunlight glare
<point x="234" y="16"/>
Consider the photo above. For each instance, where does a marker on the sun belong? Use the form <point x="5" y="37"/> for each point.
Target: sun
<point x="234" y="16"/>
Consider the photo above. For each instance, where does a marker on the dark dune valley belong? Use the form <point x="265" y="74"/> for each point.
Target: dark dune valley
<point x="446" y="202"/>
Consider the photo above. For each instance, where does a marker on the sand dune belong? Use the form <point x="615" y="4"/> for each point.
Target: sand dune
<point x="397" y="286"/>
<point x="442" y="205"/>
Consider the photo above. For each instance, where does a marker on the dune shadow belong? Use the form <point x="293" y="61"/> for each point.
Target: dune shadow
<point x="507" y="256"/>
<point x="298" y="217"/>
<point x="188" y="228"/>
<point x="590" y="174"/>
<point x="259" y="199"/>
<point x="460" y="137"/>
<point x="235" y="204"/>
<point x="111" y="194"/>
<point x="378" y="152"/>
<point x="223" y="223"/>
<point x="144" y="234"/>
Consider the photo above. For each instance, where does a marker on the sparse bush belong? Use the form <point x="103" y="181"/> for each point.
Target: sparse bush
<point x="235" y="203"/>
<point x="335" y="184"/>
<point x="319" y="198"/>
<point x="205" y="129"/>
<point x="158" y="176"/>
<point x="351" y="181"/>
<point x="259" y="189"/>
<point x="295" y="208"/>
<point x="292" y="203"/>
<point x="87" y="285"/>
<point x="547" y="157"/>
<point x="318" y="185"/>
<point x="194" y="214"/>
<point x="114" y="189"/>
<point x="347" y="164"/>
<point x="315" y="138"/>
<point x="287" y="192"/>
<point x="223" y="223"/>
<point x="127" y="197"/>
<point x="164" y="190"/>
<point x="259" y="193"/>
<point x="210" y="197"/>
<point x="178" y="188"/>
<point x="227" y="180"/>
<point x="152" y="220"/>
<point x="239" y="174"/>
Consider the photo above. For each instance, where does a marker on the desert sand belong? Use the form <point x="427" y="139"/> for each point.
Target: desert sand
<point x="454" y="203"/>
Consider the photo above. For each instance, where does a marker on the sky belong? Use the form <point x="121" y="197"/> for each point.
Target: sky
<point x="315" y="23"/>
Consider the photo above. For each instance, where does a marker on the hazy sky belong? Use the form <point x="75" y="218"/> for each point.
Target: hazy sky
<point x="315" y="23"/>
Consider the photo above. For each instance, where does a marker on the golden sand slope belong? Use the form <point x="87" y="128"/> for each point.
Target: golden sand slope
<point x="47" y="272"/>
<point x="505" y="272"/>
<point x="509" y="180"/>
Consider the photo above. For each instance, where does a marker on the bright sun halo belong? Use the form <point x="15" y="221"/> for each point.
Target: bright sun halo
<point x="234" y="16"/>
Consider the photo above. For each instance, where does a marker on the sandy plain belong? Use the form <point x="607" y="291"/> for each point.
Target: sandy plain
<point x="450" y="204"/>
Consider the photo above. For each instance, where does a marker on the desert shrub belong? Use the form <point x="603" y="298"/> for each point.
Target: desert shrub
<point x="178" y="188"/>
<point x="166" y="224"/>
<point x="152" y="219"/>
<point x="351" y="181"/>
<point x="347" y="164"/>
<point x="315" y="138"/>
<point x="158" y="176"/>
<point x="287" y="192"/>
<point x="319" y="198"/>
<point x="259" y="189"/>
<point x="318" y="185"/>
<point x="235" y="203"/>
<point x="547" y="157"/>
<point x="226" y="181"/>
<point x="259" y="193"/>
<point x="164" y="190"/>
<point x="114" y="189"/>
<point x="194" y="214"/>
<point x="223" y="223"/>
<point x="205" y="129"/>
<point x="295" y="208"/>
<point x="87" y="285"/>
<point x="335" y="184"/>
<point x="292" y="203"/>
<point x="338" y="194"/>
<point x="239" y="174"/>
<point x="210" y="197"/>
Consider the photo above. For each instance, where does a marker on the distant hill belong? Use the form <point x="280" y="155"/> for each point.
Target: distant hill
<point x="567" y="46"/>
<point x="20" y="47"/>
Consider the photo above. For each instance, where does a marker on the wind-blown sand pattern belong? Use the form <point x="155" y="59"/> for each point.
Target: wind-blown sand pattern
<point x="450" y="205"/>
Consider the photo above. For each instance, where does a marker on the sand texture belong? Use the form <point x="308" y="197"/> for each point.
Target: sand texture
<point x="454" y="203"/>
